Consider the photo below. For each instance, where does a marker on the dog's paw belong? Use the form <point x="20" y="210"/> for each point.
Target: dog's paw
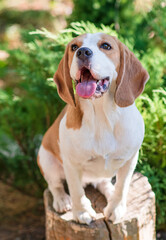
<point x="84" y="217"/>
<point x="115" y="213"/>
<point x="62" y="202"/>
<point x="84" y="213"/>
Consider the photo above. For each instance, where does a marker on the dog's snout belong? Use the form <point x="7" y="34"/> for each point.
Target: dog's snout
<point x="84" y="53"/>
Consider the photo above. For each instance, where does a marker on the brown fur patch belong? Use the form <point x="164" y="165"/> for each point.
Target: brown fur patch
<point x="74" y="116"/>
<point x="131" y="77"/>
<point x="51" y="138"/>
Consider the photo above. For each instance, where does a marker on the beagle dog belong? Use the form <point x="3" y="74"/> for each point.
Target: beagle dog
<point x="99" y="132"/>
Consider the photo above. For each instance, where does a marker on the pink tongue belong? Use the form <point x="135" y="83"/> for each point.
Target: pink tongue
<point x="86" y="89"/>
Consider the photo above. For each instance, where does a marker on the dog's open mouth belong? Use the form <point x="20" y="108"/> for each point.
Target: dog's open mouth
<point x="89" y="87"/>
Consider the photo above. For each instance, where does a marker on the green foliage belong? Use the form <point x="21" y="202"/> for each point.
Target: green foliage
<point x="107" y="11"/>
<point x="26" y="19"/>
<point x="156" y="20"/>
<point x="27" y="110"/>
<point x="155" y="62"/>
<point x="141" y="26"/>
<point x="3" y="68"/>
<point x="75" y="29"/>
<point x="153" y="111"/>
<point x="152" y="159"/>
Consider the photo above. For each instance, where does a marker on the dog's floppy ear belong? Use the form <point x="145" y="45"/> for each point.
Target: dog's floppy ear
<point x="131" y="78"/>
<point x="63" y="80"/>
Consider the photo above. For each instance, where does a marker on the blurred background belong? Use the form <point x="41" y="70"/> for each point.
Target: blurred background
<point x="33" y="36"/>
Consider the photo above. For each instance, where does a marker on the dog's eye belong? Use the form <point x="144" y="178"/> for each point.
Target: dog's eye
<point x="105" y="46"/>
<point x="74" y="47"/>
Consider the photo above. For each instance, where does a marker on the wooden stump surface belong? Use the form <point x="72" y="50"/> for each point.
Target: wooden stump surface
<point x="137" y="224"/>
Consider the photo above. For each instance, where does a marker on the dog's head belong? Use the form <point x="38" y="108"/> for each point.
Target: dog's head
<point x="94" y="62"/>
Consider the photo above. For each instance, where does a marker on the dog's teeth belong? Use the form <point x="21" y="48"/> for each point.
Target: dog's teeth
<point x="98" y="88"/>
<point x="104" y="87"/>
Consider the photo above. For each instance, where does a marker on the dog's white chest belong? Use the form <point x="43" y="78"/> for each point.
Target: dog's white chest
<point x="107" y="145"/>
<point x="104" y="142"/>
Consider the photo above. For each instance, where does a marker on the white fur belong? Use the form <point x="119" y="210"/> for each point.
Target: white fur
<point x="106" y="145"/>
<point x="54" y="174"/>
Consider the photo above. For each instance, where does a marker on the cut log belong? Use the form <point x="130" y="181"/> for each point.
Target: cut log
<point x="137" y="224"/>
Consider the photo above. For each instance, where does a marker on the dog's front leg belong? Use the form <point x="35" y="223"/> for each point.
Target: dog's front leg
<point x="116" y="206"/>
<point x="81" y="205"/>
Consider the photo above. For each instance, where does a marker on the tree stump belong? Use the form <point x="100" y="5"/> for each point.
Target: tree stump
<point x="138" y="223"/>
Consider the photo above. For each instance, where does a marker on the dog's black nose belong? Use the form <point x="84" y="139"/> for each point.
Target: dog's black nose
<point x="84" y="53"/>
